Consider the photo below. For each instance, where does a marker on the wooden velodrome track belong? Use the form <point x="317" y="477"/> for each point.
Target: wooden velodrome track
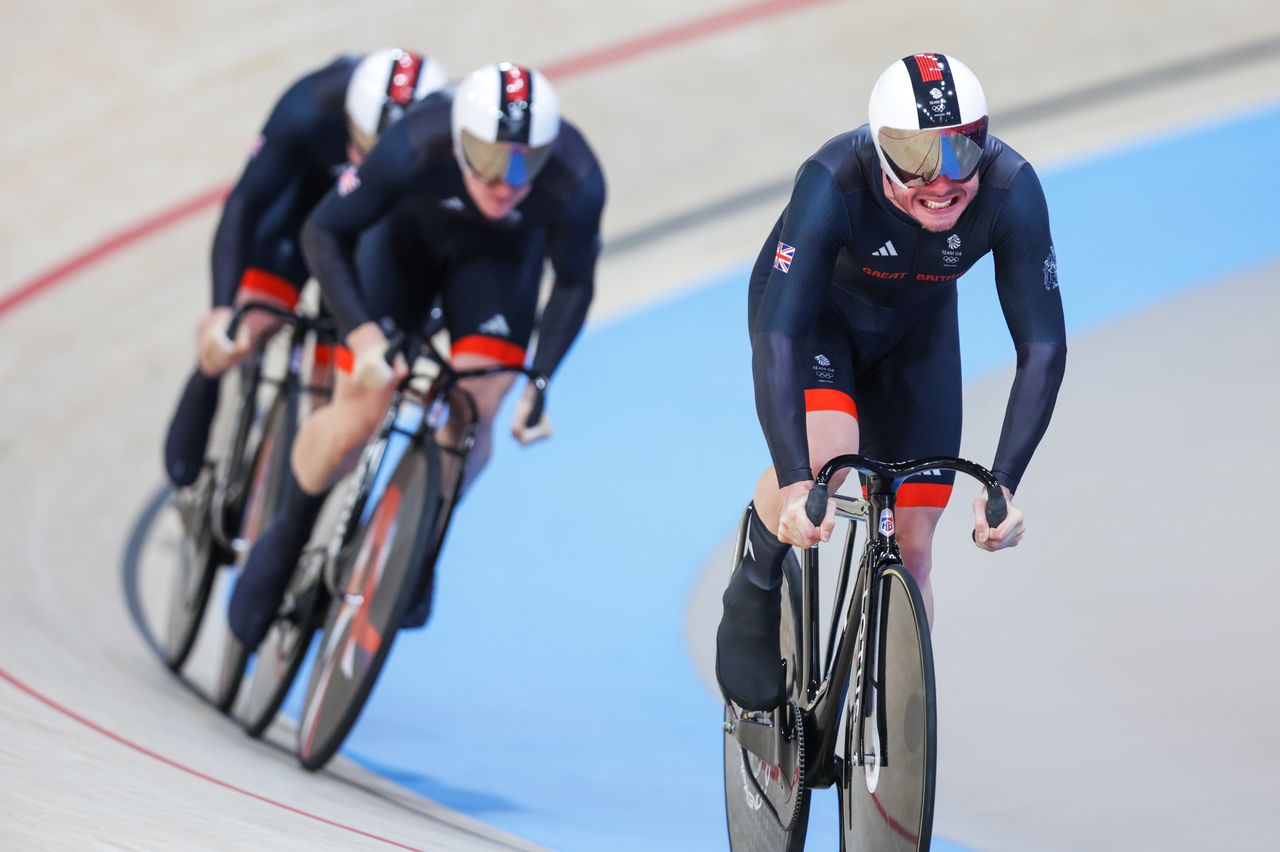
<point x="122" y="113"/>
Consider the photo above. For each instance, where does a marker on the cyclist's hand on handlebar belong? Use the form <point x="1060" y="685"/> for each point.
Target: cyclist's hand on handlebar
<point x="520" y="429"/>
<point x="371" y="371"/>
<point x="794" y="526"/>
<point x="1008" y="534"/>
<point x="215" y="351"/>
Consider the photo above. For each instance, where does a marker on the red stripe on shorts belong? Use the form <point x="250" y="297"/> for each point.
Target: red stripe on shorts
<point x="259" y="282"/>
<point x="322" y="356"/>
<point x="823" y="399"/>
<point x="923" y="494"/>
<point x="502" y="351"/>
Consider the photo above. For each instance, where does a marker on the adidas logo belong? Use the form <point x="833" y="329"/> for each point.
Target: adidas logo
<point x="496" y="325"/>
<point x="886" y="250"/>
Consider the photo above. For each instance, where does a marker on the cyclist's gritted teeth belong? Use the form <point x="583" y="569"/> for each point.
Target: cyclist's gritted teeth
<point x="942" y="203"/>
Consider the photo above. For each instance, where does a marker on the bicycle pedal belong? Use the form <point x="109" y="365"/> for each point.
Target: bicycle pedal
<point x="763" y="718"/>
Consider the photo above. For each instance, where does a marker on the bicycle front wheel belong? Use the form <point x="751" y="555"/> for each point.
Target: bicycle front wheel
<point x="886" y="803"/>
<point x="767" y="807"/>
<point x="193" y="579"/>
<point x="378" y="572"/>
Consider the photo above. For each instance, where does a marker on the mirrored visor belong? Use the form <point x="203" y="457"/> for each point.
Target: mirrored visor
<point x="506" y="162"/>
<point x="919" y="157"/>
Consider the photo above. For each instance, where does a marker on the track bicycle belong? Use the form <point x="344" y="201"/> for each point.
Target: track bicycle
<point x="378" y="559"/>
<point x="872" y="692"/>
<point x="236" y="492"/>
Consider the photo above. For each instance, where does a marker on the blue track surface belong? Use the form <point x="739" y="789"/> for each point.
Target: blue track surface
<point x="552" y="693"/>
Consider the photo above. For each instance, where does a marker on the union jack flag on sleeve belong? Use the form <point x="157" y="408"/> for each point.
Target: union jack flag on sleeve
<point x="783" y="256"/>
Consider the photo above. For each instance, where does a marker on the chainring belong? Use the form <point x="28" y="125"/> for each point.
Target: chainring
<point x="783" y="799"/>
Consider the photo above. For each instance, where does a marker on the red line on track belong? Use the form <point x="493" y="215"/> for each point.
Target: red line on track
<point x="590" y="61"/>
<point x="110" y="246"/>
<point x="71" y="714"/>
<point x="674" y="35"/>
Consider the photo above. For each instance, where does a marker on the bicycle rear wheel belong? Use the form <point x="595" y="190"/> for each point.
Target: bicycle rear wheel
<point x="379" y="571"/>
<point x="767" y="808"/>
<point x="263" y="485"/>
<point x="886" y="804"/>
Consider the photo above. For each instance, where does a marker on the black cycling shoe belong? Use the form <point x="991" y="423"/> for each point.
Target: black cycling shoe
<point x="260" y="589"/>
<point x="748" y="657"/>
<point x="188" y="437"/>
<point x="266" y="573"/>
<point x="417" y="614"/>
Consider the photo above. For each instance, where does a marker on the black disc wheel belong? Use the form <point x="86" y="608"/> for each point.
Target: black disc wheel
<point x="886" y="799"/>
<point x="263" y="485"/>
<point x="766" y="804"/>
<point x="280" y="656"/>
<point x="194" y="573"/>
<point x="377" y="575"/>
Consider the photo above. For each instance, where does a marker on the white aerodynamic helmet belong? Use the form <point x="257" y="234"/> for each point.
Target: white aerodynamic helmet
<point x="384" y="85"/>
<point x="928" y="118"/>
<point x="505" y="121"/>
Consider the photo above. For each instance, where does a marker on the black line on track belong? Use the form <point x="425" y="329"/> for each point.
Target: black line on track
<point x="774" y="190"/>
<point x="130" y="561"/>
<point x="129" y="568"/>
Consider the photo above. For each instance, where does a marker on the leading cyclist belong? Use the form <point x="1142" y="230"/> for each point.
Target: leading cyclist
<point x="324" y="122"/>
<point x="855" y="344"/>
<point x="466" y="198"/>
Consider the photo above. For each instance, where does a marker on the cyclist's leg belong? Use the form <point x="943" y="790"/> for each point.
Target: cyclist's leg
<point x="490" y="301"/>
<point x="325" y="448"/>
<point x="747" y="650"/>
<point x="188" y="436"/>
<point x="912" y="408"/>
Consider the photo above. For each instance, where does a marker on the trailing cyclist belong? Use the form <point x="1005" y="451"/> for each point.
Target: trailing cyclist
<point x="854" y="333"/>
<point x="465" y="200"/>
<point x="324" y="123"/>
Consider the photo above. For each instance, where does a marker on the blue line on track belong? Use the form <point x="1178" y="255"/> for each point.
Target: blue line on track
<point x="552" y="694"/>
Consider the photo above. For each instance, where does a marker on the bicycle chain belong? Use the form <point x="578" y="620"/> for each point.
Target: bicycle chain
<point x="798" y="733"/>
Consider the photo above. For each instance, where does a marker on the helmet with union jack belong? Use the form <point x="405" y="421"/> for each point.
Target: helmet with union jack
<point x="928" y="118"/>
<point x="384" y="84"/>
<point x="505" y="121"/>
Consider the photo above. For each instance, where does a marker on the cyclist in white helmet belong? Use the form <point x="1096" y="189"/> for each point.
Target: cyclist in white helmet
<point x="466" y="199"/>
<point x="324" y="122"/>
<point x="855" y="339"/>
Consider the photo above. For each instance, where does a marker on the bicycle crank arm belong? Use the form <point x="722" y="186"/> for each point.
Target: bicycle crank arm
<point x="756" y="733"/>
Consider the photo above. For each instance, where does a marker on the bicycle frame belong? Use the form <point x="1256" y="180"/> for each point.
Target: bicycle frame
<point x="228" y="480"/>
<point x="825" y="689"/>
<point x="418" y="415"/>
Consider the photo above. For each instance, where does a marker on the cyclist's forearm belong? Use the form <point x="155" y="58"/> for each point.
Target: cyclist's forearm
<point x="561" y="322"/>
<point x="331" y="261"/>
<point x="1035" y="390"/>
<point x="780" y="405"/>
<point x="227" y="257"/>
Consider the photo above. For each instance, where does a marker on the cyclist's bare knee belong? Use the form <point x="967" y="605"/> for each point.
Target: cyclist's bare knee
<point x="915" y="528"/>
<point x="333" y="435"/>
